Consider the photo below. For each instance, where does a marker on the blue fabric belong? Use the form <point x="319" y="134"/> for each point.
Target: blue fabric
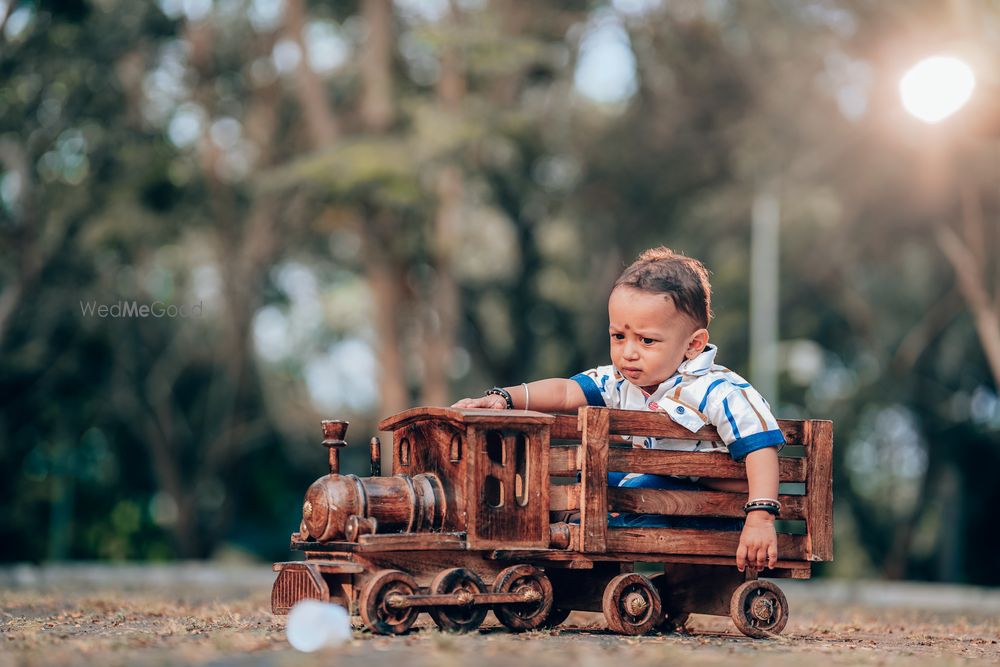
<point x="590" y="389"/>
<point x="740" y="448"/>
<point x="661" y="520"/>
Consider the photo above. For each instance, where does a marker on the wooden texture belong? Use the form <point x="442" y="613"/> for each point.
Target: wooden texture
<point x="696" y="589"/>
<point x="693" y="503"/>
<point x="680" y="503"/>
<point x="323" y="566"/>
<point x="463" y="416"/>
<point x="594" y="490"/>
<point x="564" y="460"/>
<point x="693" y="542"/>
<point x="694" y="464"/>
<point x="411" y="542"/>
<point x="564" y="497"/>
<point x="514" y="461"/>
<point x="819" y="488"/>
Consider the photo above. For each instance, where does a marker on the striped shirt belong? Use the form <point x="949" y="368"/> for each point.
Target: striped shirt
<point x="700" y="392"/>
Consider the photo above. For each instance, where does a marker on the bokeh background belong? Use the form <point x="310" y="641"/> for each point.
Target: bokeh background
<point x="368" y="205"/>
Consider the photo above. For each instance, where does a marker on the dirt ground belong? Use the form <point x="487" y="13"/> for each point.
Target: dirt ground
<point x="205" y="625"/>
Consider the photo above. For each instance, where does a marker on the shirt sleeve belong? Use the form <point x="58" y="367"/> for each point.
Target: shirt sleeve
<point x="599" y="386"/>
<point x="744" y="422"/>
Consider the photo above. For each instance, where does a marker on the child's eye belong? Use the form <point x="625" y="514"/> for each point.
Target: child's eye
<point x="648" y="341"/>
<point x="618" y="336"/>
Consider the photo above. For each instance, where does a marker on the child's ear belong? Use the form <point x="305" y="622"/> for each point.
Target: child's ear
<point x="697" y="343"/>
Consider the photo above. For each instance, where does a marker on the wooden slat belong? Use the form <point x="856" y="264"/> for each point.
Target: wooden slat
<point x="564" y="460"/>
<point x="653" y="424"/>
<point x="693" y="503"/>
<point x="784" y="569"/>
<point x="564" y="497"/>
<point x="594" y="475"/>
<point x="565" y="428"/>
<point x="412" y="542"/>
<point x="694" y="464"/>
<point x="658" y="425"/>
<point x="689" y="542"/>
<point x="463" y="416"/>
<point x="819" y="487"/>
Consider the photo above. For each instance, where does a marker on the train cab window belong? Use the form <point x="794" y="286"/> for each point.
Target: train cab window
<point x="493" y="491"/>
<point x="521" y="445"/>
<point x="494" y="447"/>
<point x="456" y="448"/>
<point x="404" y="452"/>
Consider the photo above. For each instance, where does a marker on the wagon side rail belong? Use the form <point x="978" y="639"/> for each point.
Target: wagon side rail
<point x="805" y="465"/>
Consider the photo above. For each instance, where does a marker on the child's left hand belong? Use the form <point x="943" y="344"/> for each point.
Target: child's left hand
<point x="758" y="542"/>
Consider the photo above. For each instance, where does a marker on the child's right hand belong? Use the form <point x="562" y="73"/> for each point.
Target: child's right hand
<point x="491" y="402"/>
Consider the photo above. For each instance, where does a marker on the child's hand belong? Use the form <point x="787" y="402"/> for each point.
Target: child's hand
<point x="758" y="542"/>
<point x="491" y="402"/>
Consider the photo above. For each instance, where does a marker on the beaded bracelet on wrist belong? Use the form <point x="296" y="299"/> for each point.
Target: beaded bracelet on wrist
<point x="500" y="391"/>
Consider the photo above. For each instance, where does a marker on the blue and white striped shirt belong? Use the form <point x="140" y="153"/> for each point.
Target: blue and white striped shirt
<point x="700" y="392"/>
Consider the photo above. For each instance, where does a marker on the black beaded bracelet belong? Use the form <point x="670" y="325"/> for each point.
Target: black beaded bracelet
<point x="500" y="391"/>
<point x="770" y="509"/>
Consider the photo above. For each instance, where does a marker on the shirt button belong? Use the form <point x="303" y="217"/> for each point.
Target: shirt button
<point x="680" y="409"/>
<point x="653" y="405"/>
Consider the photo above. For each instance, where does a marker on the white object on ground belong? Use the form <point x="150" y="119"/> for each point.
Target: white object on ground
<point x="313" y="625"/>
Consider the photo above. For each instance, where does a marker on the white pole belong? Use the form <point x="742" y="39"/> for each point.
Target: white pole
<point x="765" y="219"/>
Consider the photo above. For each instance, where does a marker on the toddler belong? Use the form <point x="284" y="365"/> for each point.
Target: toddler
<point x="661" y="361"/>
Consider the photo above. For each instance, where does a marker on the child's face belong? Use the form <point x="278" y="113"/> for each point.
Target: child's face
<point x="650" y="337"/>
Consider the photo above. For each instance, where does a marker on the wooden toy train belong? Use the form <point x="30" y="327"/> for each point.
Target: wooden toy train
<point x="473" y="519"/>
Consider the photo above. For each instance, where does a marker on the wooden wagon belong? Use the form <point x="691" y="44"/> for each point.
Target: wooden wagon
<point x="474" y="518"/>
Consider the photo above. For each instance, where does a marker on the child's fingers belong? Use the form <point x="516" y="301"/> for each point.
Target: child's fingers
<point x="741" y="557"/>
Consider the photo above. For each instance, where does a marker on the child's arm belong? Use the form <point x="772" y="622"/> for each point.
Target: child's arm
<point x="759" y="542"/>
<point x="552" y="395"/>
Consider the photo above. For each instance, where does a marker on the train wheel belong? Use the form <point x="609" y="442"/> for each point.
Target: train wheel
<point x="523" y="615"/>
<point x="380" y="617"/>
<point x="463" y="618"/>
<point x="631" y="604"/>
<point x="759" y="609"/>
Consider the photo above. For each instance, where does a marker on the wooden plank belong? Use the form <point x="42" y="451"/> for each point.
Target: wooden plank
<point x="783" y="569"/>
<point x="695" y="464"/>
<point x="564" y="461"/>
<point x="565" y="428"/>
<point x="819" y="489"/>
<point x="463" y="416"/>
<point x="693" y="503"/>
<point x="688" y="542"/>
<point x="655" y="424"/>
<point x="594" y="475"/>
<point x="564" y="497"/>
<point x="324" y="566"/>
<point x="412" y="542"/>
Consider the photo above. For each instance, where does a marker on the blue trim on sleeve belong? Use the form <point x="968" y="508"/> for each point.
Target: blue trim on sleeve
<point x="729" y="415"/>
<point x="704" y="400"/>
<point x="740" y="448"/>
<point x="590" y="389"/>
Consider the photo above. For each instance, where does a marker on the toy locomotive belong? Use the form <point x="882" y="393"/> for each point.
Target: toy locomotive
<point x="474" y="518"/>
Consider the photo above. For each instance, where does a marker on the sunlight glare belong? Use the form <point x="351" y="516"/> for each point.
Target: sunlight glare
<point x="936" y="87"/>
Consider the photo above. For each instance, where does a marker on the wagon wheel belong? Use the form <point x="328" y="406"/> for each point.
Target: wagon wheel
<point x="460" y="618"/>
<point x="631" y="604"/>
<point x="759" y="609"/>
<point x="556" y="617"/>
<point x="523" y="615"/>
<point x="377" y="615"/>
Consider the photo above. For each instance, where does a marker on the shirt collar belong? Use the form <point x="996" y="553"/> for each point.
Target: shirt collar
<point x="700" y="364"/>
